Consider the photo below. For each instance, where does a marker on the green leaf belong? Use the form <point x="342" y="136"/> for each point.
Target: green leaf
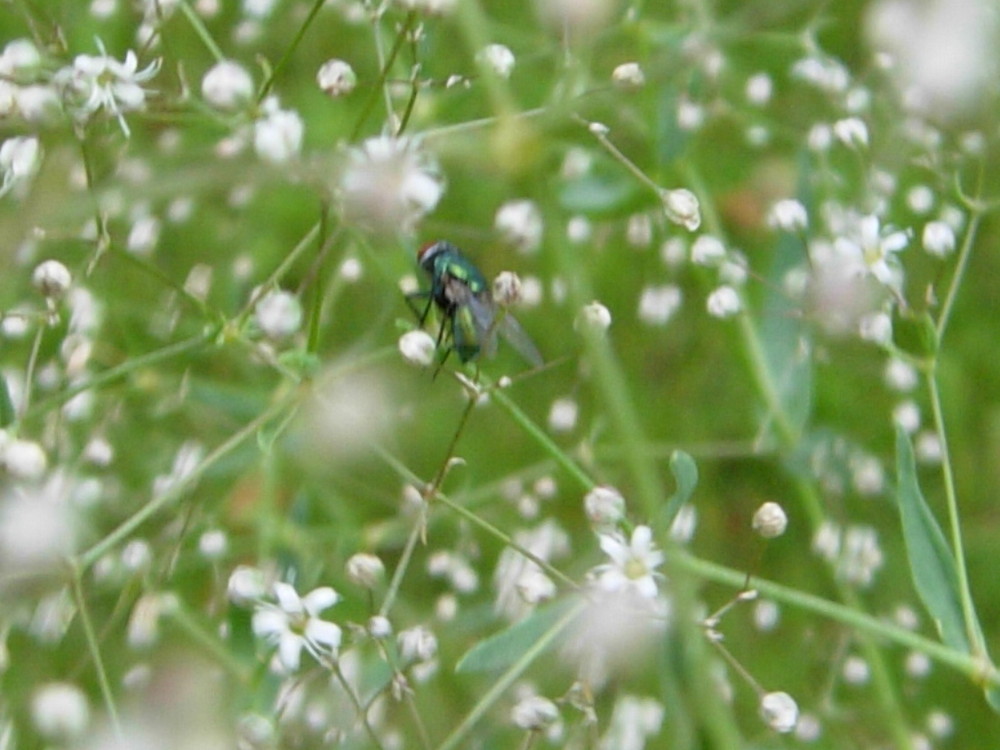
<point x="993" y="697"/>
<point x="501" y="650"/>
<point x="6" y="405"/>
<point x="605" y="190"/>
<point x="915" y="333"/>
<point x="685" y="472"/>
<point x="931" y="563"/>
<point x="785" y="338"/>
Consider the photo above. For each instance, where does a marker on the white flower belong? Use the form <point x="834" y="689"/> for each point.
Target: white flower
<point x="59" y="711"/>
<point x="388" y="184"/>
<point x="633" y="563"/>
<point x="563" y="415"/>
<point x="247" y="585"/>
<point x="604" y="506"/>
<point x="724" y="302"/>
<point x="874" y="248"/>
<point x="770" y="520"/>
<point x="51" y="278"/>
<point x="876" y="327"/>
<point x="681" y="207"/>
<point x="657" y="304"/>
<point x="498" y="58"/>
<point x="520" y="224"/>
<point x="417" y="644"/>
<point x="507" y="288"/>
<point x="277" y="136"/>
<point x="37" y="103"/>
<point x="19" y="160"/>
<point x="97" y="82"/>
<point x="938" y="238"/>
<point x="417" y="347"/>
<point x="365" y="569"/>
<point x="628" y="76"/>
<point x="23" y="459"/>
<point x="428" y="7"/>
<point x="759" y="88"/>
<point x="227" y="85"/>
<point x="534" y="713"/>
<point x="593" y="317"/>
<point x="294" y="624"/>
<point x="788" y="215"/>
<point x="779" y="711"/>
<point x="852" y="132"/>
<point x="336" y="78"/>
<point x="707" y="250"/>
<point x="278" y="313"/>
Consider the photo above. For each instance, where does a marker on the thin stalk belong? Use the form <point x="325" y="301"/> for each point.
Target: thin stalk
<point x="379" y="86"/>
<point x="539" y="436"/>
<point x="404" y="562"/>
<point x="199" y="28"/>
<point x="461" y="733"/>
<point x="29" y="376"/>
<point x="95" y="651"/>
<point x="87" y="558"/>
<point x="972" y="632"/>
<point x="269" y="83"/>
<point x="956" y="280"/>
<point x="180" y="616"/>
<point x="279" y="271"/>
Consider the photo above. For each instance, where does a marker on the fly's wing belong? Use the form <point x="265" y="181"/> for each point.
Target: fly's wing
<point x="483" y="314"/>
<point x="511" y="330"/>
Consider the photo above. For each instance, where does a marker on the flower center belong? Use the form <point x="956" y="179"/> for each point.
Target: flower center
<point x="635" y="569"/>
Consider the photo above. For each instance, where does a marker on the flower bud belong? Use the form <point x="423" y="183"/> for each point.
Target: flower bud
<point x="770" y="520"/>
<point x="365" y="570"/>
<point x="507" y="288"/>
<point x="417" y="348"/>
<point x="336" y="78"/>
<point x="51" y="278"/>
<point x="779" y="711"/>
<point x="593" y="317"/>
<point x="681" y="207"/>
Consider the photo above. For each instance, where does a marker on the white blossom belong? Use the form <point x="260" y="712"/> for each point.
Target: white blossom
<point x="51" y="278"/>
<point x="294" y="624"/>
<point x="417" y="347"/>
<point x="938" y="239"/>
<point x="628" y="76"/>
<point x="520" y="224"/>
<point x="388" y="184"/>
<point x="96" y="82"/>
<point x="278" y="313"/>
<point x="788" y="215"/>
<point x="724" y="302"/>
<point x="633" y="563"/>
<point x="497" y="58"/>
<point x="759" y="88"/>
<point x="770" y="520"/>
<point x="277" y="136"/>
<point x="227" y="85"/>
<point x="707" y="250"/>
<point x="779" y="711"/>
<point x="336" y="78"/>
<point x="681" y="207"/>
<point x="60" y="712"/>
<point x="594" y="317"/>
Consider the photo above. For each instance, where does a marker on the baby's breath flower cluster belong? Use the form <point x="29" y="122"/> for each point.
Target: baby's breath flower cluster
<point x="440" y="374"/>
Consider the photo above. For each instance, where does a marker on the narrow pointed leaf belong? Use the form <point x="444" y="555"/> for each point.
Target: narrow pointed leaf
<point x="501" y="650"/>
<point x="685" y="472"/>
<point x="931" y="563"/>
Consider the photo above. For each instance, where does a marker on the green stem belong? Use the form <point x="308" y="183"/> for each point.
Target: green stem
<point x="460" y="733"/>
<point x="499" y="397"/>
<point x="29" y="376"/>
<point x="118" y="372"/>
<point x="972" y="632"/>
<point x="92" y="555"/>
<point x="181" y="617"/>
<point x="956" y="280"/>
<point x="199" y="28"/>
<point x="95" y="651"/>
<point x="373" y="94"/>
<point x="269" y="83"/>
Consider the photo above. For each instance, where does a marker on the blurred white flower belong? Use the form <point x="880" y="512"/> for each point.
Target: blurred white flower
<point x="428" y="7"/>
<point x="593" y="317"/>
<point x="417" y="347"/>
<point x="628" y="76"/>
<point x="942" y="50"/>
<point x="657" y="304"/>
<point x="779" y="711"/>
<point x="336" y="78"/>
<point x="534" y="713"/>
<point x="788" y="215"/>
<point x="770" y="520"/>
<point x="707" y="250"/>
<point x="277" y="136"/>
<point x="388" y="184"/>
<point x="869" y="246"/>
<point x="604" y="506"/>
<point x="294" y="624"/>
<point x="759" y="88"/>
<point x="278" y="313"/>
<point x="563" y="415"/>
<point x="576" y="19"/>
<point x="938" y="238"/>
<point x="417" y="644"/>
<point x="498" y="58"/>
<point x="852" y="132"/>
<point x="724" y="302"/>
<point x="60" y="712"/>
<point x="227" y="85"/>
<point x="520" y="224"/>
<point x="633" y="721"/>
<point x="20" y="158"/>
<point x="51" y="278"/>
<point x="100" y="82"/>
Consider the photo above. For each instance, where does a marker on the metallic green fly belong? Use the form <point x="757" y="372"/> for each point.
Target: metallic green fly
<point x="468" y="312"/>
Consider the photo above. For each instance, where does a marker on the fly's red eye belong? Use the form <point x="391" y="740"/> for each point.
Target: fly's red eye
<point x="426" y="249"/>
